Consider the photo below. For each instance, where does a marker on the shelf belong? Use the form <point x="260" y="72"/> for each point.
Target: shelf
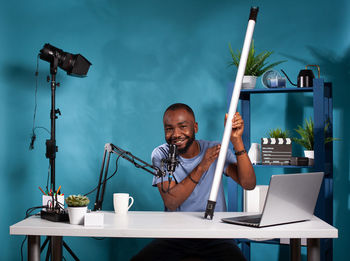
<point x="280" y="166"/>
<point x="322" y="98"/>
<point x="278" y="90"/>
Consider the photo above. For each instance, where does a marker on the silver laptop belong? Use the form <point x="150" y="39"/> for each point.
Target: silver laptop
<point x="290" y="198"/>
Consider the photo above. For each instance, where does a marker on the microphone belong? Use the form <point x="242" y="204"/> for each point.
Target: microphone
<point x="172" y="161"/>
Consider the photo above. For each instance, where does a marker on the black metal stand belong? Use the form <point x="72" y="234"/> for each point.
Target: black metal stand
<point x="110" y="148"/>
<point x="51" y="147"/>
<point x="49" y="252"/>
<point x="56" y="213"/>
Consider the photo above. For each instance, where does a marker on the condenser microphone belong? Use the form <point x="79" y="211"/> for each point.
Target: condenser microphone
<point x="172" y="161"/>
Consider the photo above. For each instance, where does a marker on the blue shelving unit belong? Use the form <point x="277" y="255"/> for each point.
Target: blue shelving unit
<point x="322" y="115"/>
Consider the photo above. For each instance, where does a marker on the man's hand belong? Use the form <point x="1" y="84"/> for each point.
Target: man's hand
<point x="237" y="127"/>
<point x="178" y="193"/>
<point x="209" y="157"/>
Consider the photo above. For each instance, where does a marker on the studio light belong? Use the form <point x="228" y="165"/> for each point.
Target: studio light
<point x="73" y="64"/>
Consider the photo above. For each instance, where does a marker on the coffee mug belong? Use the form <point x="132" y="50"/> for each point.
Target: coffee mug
<point x="121" y="202"/>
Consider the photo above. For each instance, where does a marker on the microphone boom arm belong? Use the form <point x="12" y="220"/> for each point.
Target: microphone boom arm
<point x="138" y="163"/>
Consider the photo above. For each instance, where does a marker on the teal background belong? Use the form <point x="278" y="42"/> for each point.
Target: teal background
<point x="147" y="55"/>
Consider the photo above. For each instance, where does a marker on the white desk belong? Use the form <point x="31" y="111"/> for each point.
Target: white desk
<point x="142" y="224"/>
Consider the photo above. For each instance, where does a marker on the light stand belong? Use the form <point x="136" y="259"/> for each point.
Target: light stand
<point x="110" y="148"/>
<point x="56" y="213"/>
<point x="75" y="65"/>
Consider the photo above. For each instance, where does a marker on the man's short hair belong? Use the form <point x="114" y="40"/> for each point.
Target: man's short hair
<point x="179" y="106"/>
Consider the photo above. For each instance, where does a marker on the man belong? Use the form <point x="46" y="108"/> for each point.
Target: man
<point x="191" y="185"/>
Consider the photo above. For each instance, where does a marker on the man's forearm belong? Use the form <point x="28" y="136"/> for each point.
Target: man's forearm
<point x="178" y="193"/>
<point x="244" y="170"/>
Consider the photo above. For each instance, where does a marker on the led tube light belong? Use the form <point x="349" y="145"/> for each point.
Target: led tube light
<point x="232" y="110"/>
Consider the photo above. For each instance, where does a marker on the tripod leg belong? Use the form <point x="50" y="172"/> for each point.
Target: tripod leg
<point x="70" y="251"/>
<point x="44" y="244"/>
<point x="48" y="252"/>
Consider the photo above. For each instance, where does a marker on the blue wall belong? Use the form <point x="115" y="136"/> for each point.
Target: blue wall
<point x="147" y="55"/>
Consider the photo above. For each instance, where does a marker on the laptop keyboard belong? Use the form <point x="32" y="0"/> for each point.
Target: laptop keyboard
<point x="249" y="219"/>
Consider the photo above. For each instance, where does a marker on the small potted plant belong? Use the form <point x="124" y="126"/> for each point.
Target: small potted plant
<point x="77" y="207"/>
<point x="306" y="139"/>
<point x="255" y="67"/>
<point x="277" y="148"/>
<point x="278" y="133"/>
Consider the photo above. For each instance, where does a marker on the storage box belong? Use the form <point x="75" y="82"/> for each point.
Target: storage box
<point x="93" y="219"/>
<point x="47" y="201"/>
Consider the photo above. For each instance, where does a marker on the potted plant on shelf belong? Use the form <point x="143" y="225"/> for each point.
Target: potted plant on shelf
<point x="277" y="148"/>
<point x="306" y="139"/>
<point x="278" y="133"/>
<point x="77" y="208"/>
<point x="255" y="67"/>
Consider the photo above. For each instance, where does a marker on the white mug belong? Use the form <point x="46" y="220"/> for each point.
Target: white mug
<point x="121" y="202"/>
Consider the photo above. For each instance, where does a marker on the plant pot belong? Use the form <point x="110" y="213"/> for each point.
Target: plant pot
<point x="249" y="82"/>
<point x="310" y="154"/>
<point x="76" y="215"/>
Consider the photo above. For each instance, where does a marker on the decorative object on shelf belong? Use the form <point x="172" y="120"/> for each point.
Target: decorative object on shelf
<point x="254" y="153"/>
<point x="276" y="151"/>
<point x="273" y="79"/>
<point x="255" y="67"/>
<point x="299" y="161"/>
<point x="305" y="77"/>
<point x="77" y="208"/>
<point x="307" y="138"/>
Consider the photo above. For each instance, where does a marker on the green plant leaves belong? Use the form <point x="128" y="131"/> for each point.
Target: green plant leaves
<point x="256" y="64"/>
<point x="278" y="133"/>
<point x="307" y="135"/>
<point x="77" y="201"/>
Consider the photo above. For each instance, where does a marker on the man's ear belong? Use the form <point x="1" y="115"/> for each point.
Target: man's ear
<point x="195" y="127"/>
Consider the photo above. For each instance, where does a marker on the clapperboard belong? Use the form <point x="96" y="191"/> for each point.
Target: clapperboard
<point x="276" y="151"/>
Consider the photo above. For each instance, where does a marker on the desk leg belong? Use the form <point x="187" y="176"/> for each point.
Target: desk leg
<point x="33" y="248"/>
<point x="313" y="249"/>
<point x="56" y="248"/>
<point x="295" y="248"/>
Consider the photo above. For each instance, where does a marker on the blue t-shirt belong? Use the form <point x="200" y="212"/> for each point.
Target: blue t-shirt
<point x="198" y="199"/>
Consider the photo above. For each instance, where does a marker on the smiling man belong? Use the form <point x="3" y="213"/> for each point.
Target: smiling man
<point x="191" y="186"/>
<point x="190" y="189"/>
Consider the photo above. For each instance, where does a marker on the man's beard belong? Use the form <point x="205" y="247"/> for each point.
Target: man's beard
<point x="188" y="144"/>
<point x="190" y="140"/>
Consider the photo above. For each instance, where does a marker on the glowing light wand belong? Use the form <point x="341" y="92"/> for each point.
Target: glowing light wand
<point x="232" y="110"/>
